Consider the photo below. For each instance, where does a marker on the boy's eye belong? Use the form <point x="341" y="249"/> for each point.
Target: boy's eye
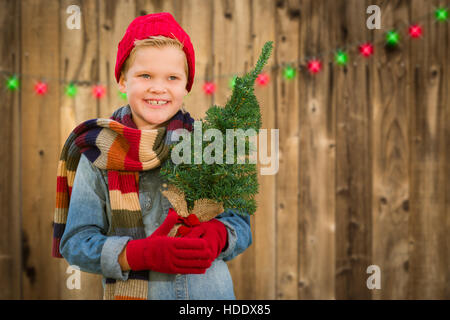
<point x="147" y="76"/>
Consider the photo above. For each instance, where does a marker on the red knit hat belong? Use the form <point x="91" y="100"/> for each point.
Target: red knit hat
<point x="155" y="24"/>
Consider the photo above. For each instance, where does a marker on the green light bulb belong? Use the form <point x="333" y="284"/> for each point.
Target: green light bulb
<point x="232" y="82"/>
<point x="392" y="38"/>
<point x="71" y="90"/>
<point x="441" y="14"/>
<point x="341" y="58"/>
<point x="12" y="83"/>
<point x="289" y="72"/>
<point x="123" y="95"/>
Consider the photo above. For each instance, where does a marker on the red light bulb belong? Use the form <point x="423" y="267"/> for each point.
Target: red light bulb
<point x="40" y="88"/>
<point x="209" y="87"/>
<point x="314" y="66"/>
<point x="262" y="79"/>
<point x="415" y="31"/>
<point x="98" y="91"/>
<point x="366" y="49"/>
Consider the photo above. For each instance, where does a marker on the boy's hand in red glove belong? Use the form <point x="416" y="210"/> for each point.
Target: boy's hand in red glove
<point x="161" y="253"/>
<point x="214" y="232"/>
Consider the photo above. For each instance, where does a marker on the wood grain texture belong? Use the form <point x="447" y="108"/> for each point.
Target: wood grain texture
<point x="317" y="156"/>
<point x="353" y="163"/>
<point x="197" y="20"/>
<point x="40" y="146"/>
<point x="390" y="156"/>
<point x="113" y="20"/>
<point x="429" y="250"/>
<point x="264" y="221"/>
<point x="287" y="178"/>
<point x="10" y="135"/>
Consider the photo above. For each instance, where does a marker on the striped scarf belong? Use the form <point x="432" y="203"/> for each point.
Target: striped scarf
<point x="116" y="145"/>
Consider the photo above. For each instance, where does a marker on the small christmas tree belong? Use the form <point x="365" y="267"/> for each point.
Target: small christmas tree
<point x="230" y="183"/>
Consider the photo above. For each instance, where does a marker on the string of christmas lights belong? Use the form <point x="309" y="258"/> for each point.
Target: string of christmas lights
<point x="314" y="65"/>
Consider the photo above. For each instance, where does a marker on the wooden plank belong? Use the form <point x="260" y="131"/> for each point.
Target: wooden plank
<point x="196" y="18"/>
<point x="390" y="149"/>
<point x="317" y="157"/>
<point x="429" y="239"/>
<point x="233" y="54"/>
<point x="446" y="88"/>
<point x="287" y="180"/>
<point x="353" y="163"/>
<point x="264" y="236"/>
<point x="79" y="64"/>
<point x="10" y="184"/>
<point x="114" y="18"/>
<point x="40" y="145"/>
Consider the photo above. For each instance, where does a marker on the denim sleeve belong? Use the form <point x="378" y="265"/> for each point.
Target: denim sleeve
<point x="84" y="242"/>
<point x="239" y="233"/>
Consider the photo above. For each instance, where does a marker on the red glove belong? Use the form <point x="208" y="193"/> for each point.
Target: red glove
<point x="214" y="232"/>
<point x="161" y="253"/>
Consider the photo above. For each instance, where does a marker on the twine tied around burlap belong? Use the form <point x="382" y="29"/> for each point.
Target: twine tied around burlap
<point x="203" y="209"/>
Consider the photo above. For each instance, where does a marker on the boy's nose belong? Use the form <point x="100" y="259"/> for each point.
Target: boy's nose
<point x="155" y="87"/>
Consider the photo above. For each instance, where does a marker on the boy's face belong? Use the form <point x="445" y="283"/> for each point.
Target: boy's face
<point x="156" y="74"/>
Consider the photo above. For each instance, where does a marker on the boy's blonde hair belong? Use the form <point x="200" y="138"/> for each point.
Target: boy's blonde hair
<point x="153" y="41"/>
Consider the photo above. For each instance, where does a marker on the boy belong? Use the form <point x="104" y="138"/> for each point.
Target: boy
<point x="119" y="229"/>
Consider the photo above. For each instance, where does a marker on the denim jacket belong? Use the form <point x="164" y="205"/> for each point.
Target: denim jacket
<point x="85" y="242"/>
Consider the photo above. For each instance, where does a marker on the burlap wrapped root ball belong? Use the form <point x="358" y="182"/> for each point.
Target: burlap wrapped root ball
<point x="204" y="209"/>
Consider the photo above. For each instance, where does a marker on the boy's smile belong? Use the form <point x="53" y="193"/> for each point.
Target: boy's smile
<point x="155" y="85"/>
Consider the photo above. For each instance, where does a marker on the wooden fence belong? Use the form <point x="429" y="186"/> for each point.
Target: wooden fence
<point x="364" y="176"/>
